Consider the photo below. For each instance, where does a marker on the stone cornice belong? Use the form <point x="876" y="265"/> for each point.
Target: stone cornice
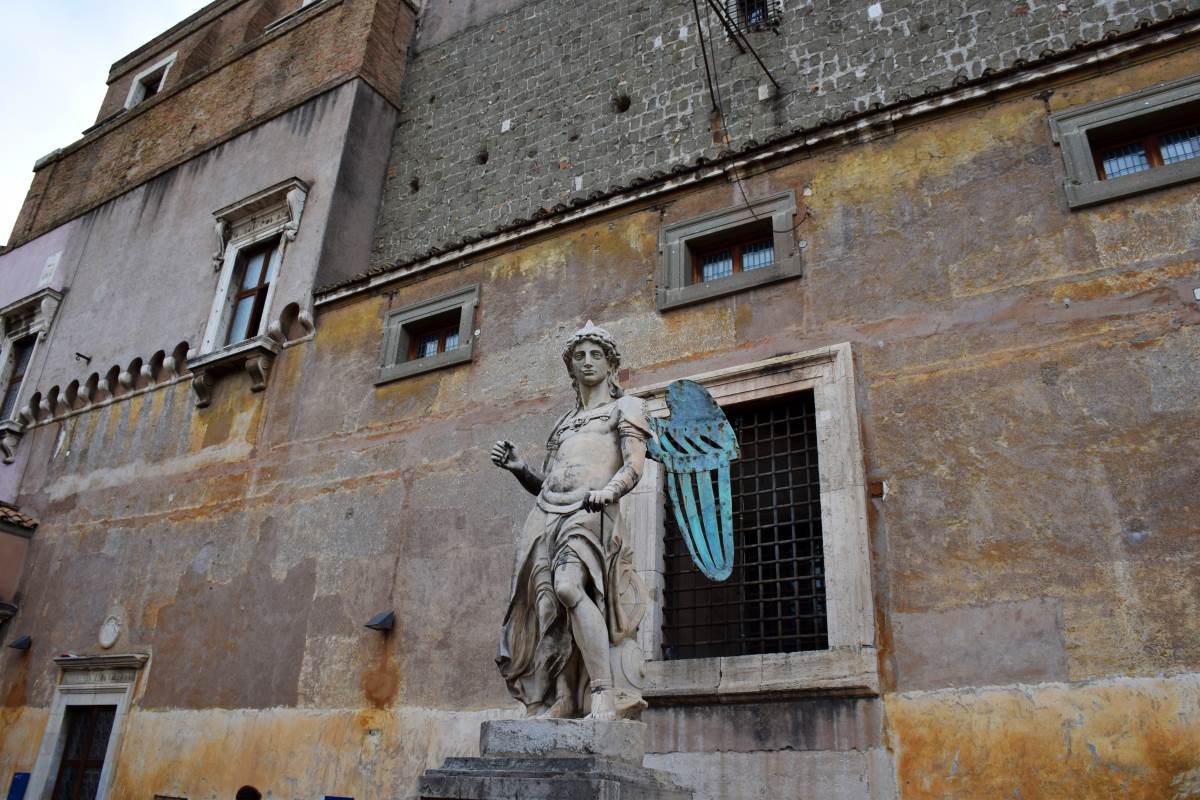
<point x="114" y="661"/>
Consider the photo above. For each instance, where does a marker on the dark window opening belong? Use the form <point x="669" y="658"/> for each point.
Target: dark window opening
<point x="774" y="602"/>
<point x="1146" y="142"/>
<point x="745" y="249"/>
<point x="22" y="351"/>
<point x="433" y="335"/>
<point x="256" y="269"/>
<point x="150" y="85"/>
<point x="750" y="14"/>
<point x="248" y="793"/>
<point x="88" y="729"/>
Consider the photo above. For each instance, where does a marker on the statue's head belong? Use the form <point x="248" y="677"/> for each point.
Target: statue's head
<point x="591" y="357"/>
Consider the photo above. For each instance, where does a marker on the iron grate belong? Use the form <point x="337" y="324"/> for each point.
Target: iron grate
<point x="774" y="602"/>
<point x="753" y="14"/>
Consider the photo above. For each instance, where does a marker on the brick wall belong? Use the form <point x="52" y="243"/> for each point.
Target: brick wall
<point x="201" y="43"/>
<point x="327" y="48"/>
<point x="534" y="88"/>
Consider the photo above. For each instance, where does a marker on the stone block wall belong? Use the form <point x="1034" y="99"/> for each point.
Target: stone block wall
<point x="515" y="110"/>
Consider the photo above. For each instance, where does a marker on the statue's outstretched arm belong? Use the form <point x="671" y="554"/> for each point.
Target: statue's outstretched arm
<point x="504" y="455"/>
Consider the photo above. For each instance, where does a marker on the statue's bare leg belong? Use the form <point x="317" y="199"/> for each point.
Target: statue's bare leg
<point x="591" y="636"/>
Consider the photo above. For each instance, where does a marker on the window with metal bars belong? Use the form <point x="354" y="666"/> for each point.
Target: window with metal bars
<point x="745" y="249"/>
<point x="1147" y="152"/>
<point x="22" y="352"/>
<point x="752" y="14"/>
<point x="1138" y="142"/>
<point x="774" y="602"/>
<point x="88" y="729"/>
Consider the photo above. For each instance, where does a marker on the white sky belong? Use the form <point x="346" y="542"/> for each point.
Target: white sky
<point x="54" y="59"/>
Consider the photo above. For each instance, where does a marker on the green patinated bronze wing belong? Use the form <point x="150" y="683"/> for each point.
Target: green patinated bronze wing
<point x="695" y="445"/>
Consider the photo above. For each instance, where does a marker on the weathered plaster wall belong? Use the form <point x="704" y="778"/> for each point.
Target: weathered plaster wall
<point x="533" y="85"/>
<point x="259" y="82"/>
<point x="139" y="268"/>
<point x="1034" y="560"/>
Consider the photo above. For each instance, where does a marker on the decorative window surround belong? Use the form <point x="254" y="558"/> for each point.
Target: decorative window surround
<point x="273" y="212"/>
<point x="1167" y="102"/>
<point x="137" y="88"/>
<point x="400" y="323"/>
<point x="849" y="666"/>
<point x="30" y="315"/>
<point x="676" y="242"/>
<point x="106" y="680"/>
<point x="255" y="355"/>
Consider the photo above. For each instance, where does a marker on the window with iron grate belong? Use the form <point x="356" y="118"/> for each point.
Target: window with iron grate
<point x="774" y="602"/>
<point x="752" y="14"/>
<point x="1145" y="140"/>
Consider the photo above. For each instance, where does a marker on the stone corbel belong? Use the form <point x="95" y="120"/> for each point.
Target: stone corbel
<point x="221" y="229"/>
<point x="255" y="356"/>
<point x="11" y="432"/>
<point x="295" y="202"/>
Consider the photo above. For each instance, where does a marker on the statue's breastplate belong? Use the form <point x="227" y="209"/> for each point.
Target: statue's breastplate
<point x="588" y="454"/>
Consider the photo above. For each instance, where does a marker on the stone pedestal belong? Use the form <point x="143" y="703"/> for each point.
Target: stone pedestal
<point x="545" y="759"/>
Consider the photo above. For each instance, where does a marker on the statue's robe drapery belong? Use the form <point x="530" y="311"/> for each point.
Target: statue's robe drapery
<point x="582" y="455"/>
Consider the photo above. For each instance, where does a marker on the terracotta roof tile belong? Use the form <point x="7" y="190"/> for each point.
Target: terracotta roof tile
<point x="10" y="514"/>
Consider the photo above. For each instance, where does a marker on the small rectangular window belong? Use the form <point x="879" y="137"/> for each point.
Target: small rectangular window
<point x="774" y="602"/>
<point x="1145" y="140"/>
<point x="257" y="268"/>
<point x="728" y="251"/>
<point x="428" y="335"/>
<point x="88" y="729"/>
<point x="751" y="14"/>
<point x="22" y="352"/>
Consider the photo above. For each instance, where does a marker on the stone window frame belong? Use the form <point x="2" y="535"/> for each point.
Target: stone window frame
<point x="1071" y="128"/>
<point x="850" y="664"/>
<point x="29" y="316"/>
<point x="275" y="211"/>
<point x="674" y="274"/>
<point x="137" y="92"/>
<point x="393" y="361"/>
<point x="86" y="681"/>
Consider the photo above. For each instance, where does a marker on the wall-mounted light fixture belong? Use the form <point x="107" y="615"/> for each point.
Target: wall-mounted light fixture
<point x="23" y="643"/>
<point x="383" y="621"/>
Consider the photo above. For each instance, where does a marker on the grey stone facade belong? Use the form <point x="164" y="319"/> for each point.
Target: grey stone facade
<point x="534" y="89"/>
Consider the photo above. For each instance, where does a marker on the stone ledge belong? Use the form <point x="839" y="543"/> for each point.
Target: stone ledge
<point x="255" y="356"/>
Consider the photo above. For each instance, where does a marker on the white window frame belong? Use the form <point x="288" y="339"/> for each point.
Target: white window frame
<point x="85" y="681"/>
<point x="850" y="664"/>
<point x="137" y="91"/>
<point x="275" y="211"/>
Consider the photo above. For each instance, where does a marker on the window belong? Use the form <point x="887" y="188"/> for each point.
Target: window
<point x="87" y="731"/>
<point x="1141" y="141"/>
<point x="149" y="81"/>
<point x="1150" y="151"/>
<point x="750" y="14"/>
<point x="22" y="352"/>
<point x="728" y="251"/>
<point x="798" y="612"/>
<point x="774" y="602"/>
<point x="252" y="239"/>
<point x="428" y="335"/>
<point x="255" y="272"/>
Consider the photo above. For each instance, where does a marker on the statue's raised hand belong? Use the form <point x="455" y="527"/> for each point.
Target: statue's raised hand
<point x="504" y="455"/>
